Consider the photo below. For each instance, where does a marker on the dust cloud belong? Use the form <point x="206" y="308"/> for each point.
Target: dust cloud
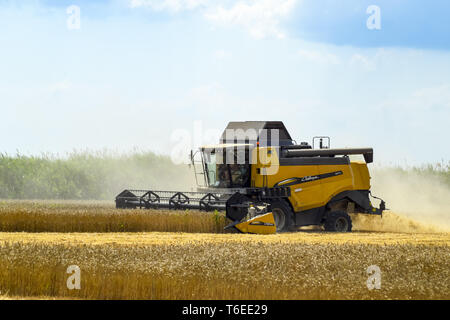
<point x="151" y="176"/>
<point x="418" y="202"/>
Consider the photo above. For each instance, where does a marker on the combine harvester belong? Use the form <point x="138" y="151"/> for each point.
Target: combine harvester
<point x="267" y="183"/>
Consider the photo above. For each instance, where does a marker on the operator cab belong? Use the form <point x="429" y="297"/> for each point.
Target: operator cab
<point x="227" y="166"/>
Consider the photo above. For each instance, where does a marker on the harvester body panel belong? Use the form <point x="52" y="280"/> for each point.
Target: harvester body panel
<point x="313" y="182"/>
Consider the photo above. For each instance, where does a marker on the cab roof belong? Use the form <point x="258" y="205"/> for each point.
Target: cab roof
<point x="251" y="132"/>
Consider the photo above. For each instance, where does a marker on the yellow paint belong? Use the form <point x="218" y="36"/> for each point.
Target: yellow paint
<point x="263" y="224"/>
<point x="266" y="172"/>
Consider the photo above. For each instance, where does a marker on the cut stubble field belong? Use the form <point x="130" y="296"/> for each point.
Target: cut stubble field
<point x="200" y="263"/>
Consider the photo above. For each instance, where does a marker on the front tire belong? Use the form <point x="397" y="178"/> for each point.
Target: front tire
<point x="283" y="215"/>
<point x="338" y="221"/>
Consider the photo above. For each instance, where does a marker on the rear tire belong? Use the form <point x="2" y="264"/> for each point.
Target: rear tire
<point x="338" y="221"/>
<point x="283" y="215"/>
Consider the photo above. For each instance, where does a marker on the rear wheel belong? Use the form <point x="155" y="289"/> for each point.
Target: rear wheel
<point x="282" y="214"/>
<point x="338" y="221"/>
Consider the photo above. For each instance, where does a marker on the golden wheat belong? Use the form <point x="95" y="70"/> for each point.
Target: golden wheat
<point x="101" y="216"/>
<point x="130" y="264"/>
<point x="204" y="266"/>
<point x="82" y="216"/>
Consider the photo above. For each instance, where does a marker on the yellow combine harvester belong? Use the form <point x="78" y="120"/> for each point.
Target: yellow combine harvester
<point x="267" y="183"/>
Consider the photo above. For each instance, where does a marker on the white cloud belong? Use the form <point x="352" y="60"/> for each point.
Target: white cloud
<point x="319" y="57"/>
<point x="261" y="18"/>
<point x="426" y="110"/>
<point x="169" y="5"/>
<point x="414" y="125"/>
<point x="428" y="101"/>
<point x="362" y="61"/>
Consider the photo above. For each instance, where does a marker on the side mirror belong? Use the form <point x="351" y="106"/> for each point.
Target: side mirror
<point x="382" y="205"/>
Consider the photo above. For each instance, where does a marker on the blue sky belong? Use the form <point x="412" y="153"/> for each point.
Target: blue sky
<point x="139" y="70"/>
<point x="405" y="23"/>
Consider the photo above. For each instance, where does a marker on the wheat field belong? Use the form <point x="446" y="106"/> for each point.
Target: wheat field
<point x="101" y="216"/>
<point x="201" y="263"/>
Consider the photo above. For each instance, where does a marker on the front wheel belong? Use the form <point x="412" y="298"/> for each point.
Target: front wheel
<point x="282" y="214"/>
<point x="338" y="221"/>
